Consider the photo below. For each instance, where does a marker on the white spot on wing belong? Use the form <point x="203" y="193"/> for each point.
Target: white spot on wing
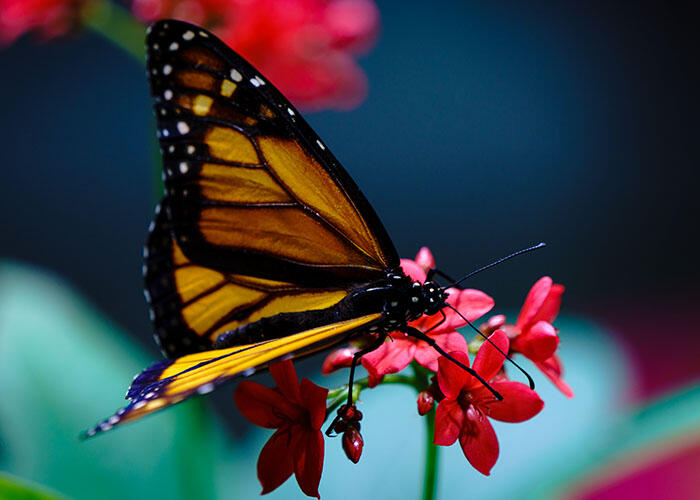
<point x="182" y="127"/>
<point x="184" y="167"/>
<point x="167" y="69"/>
<point x="188" y="35"/>
<point x="290" y="111"/>
<point x="168" y="94"/>
<point x="174" y="46"/>
<point x="320" y="144"/>
<point x="236" y="76"/>
<point x="206" y="388"/>
<point x="190" y="149"/>
<point x="257" y="81"/>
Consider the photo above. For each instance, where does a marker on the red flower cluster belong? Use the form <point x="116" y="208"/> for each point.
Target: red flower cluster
<point x="463" y="412"/>
<point x="464" y="407"/>
<point x="398" y="352"/>
<point x="297" y="411"/>
<point x="49" y="18"/>
<point x="305" y="47"/>
<point x="533" y="335"/>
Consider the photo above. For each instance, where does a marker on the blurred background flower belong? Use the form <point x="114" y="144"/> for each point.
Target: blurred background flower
<point x="486" y="127"/>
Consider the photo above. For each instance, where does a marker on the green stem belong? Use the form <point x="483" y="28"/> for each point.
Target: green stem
<point x="431" y="459"/>
<point x="117" y="25"/>
<point x="339" y="395"/>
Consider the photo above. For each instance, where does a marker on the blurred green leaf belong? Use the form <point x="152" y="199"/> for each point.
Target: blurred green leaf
<point x="12" y="488"/>
<point x="63" y="367"/>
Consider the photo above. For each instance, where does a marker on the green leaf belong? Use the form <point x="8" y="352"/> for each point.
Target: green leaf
<point x="63" y="367"/>
<point x="12" y="488"/>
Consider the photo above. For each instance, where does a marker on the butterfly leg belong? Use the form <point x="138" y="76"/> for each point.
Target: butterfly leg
<point x="349" y="408"/>
<point x="415" y="333"/>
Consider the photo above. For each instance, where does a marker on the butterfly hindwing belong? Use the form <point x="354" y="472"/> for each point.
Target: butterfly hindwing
<point x="168" y="382"/>
<point x="190" y="305"/>
<point x="251" y="187"/>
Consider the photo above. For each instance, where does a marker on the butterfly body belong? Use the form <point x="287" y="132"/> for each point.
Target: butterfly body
<point x="397" y="298"/>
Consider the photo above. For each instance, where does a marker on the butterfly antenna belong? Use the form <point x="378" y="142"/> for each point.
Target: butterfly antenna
<point x="529" y="378"/>
<point x="499" y="261"/>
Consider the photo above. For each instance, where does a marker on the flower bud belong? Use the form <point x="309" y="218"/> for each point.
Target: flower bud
<point x="352" y="444"/>
<point x="425" y="402"/>
<point x="492" y="324"/>
<point x="340" y="358"/>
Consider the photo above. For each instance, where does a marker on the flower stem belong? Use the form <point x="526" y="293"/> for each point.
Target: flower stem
<point x="117" y="25"/>
<point x="431" y="459"/>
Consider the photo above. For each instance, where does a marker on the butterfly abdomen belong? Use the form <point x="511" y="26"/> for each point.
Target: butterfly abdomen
<point x="396" y="297"/>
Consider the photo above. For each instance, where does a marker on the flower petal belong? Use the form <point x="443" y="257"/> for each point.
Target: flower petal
<point x="478" y="441"/>
<point x="519" y="403"/>
<point x="471" y="303"/>
<point x="427" y="356"/>
<point x="550" y="307"/>
<point x="340" y="358"/>
<point x="534" y="301"/>
<point x="425" y="259"/>
<point x="391" y="357"/>
<point x="308" y="460"/>
<point x="488" y="361"/>
<point x="313" y="397"/>
<point x="452" y="378"/>
<point x="261" y="405"/>
<point x="537" y="343"/>
<point x="413" y="270"/>
<point x="286" y="378"/>
<point x="449" y="418"/>
<point x="552" y="368"/>
<point x="275" y="463"/>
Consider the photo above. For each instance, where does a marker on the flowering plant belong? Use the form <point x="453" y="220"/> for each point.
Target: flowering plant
<point x="307" y="48"/>
<point x="464" y="404"/>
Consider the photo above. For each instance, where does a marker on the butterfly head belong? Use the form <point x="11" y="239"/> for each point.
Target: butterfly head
<point x="433" y="297"/>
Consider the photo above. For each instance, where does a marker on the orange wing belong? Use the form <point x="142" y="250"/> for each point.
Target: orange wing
<point x="171" y="381"/>
<point x="251" y="188"/>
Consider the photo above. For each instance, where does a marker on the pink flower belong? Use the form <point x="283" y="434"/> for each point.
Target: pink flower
<point x="297" y="411"/>
<point x="49" y="18"/>
<point x="305" y="47"/>
<point x="533" y="334"/>
<point x="395" y="354"/>
<point x="465" y="411"/>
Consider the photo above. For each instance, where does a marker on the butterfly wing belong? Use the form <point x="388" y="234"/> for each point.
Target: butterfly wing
<point x="170" y="381"/>
<point x="259" y="217"/>
<point x="191" y="304"/>
<point x="252" y="189"/>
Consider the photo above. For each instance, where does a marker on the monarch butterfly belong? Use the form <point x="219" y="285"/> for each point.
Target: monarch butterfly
<point x="262" y="247"/>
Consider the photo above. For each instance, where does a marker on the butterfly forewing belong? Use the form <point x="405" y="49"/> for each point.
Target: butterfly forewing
<point x="251" y="188"/>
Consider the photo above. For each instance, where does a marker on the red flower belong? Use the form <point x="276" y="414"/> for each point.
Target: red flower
<point x="533" y="334"/>
<point x="49" y="17"/>
<point x="297" y="411"/>
<point x="394" y="355"/>
<point x="305" y="47"/>
<point x="467" y="404"/>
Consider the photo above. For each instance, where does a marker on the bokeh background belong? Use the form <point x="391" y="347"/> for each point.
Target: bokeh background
<point x="488" y="126"/>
